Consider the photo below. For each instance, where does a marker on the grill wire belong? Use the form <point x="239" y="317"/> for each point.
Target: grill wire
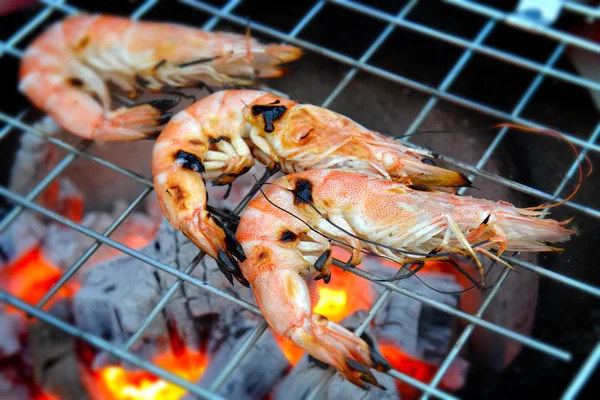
<point x="226" y="13"/>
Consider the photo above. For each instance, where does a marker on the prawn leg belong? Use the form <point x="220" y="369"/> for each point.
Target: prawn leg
<point x="410" y="274"/>
<point x="453" y="227"/>
<point x="495" y="258"/>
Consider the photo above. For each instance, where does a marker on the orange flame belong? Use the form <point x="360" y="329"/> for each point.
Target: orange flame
<point x="30" y="277"/>
<point x="141" y="385"/>
<point x="418" y="369"/>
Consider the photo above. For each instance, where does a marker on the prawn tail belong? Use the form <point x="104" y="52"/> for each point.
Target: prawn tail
<point x="348" y="353"/>
<point x="235" y="70"/>
<point x="428" y="175"/>
<point x="284" y="299"/>
<point x="136" y="122"/>
<point x="267" y="64"/>
<point x="525" y="233"/>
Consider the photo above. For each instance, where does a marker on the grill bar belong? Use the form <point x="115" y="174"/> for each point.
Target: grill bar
<point x="462" y="340"/>
<point x="106" y="346"/>
<point x="368" y="54"/>
<point x="239" y="356"/>
<point x="473" y="105"/>
<point x="527" y="25"/>
<point x="40" y="187"/>
<point x="474" y="46"/>
<point x="533" y="343"/>
<point x="584" y="287"/>
<point x="582" y="9"/>
<point x="466" y="44"/>
<point x="584" y="374"/>
<point x="92" y="249"/>
<point x="26" y="29"/>
<point x="593" y="138"/>
<point x="449" y="79"/>
<point x="535" y="84"/>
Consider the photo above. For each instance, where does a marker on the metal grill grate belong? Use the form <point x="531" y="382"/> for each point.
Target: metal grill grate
<point x="227" y="12"/>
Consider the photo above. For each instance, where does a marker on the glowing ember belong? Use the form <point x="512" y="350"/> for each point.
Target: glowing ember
<point x="331" y="303"/>
<point x="292" y="352"/>
<point x="418" y="369"/>
<point x="142" y="385"/>
<point x="30" y="277"/>
<point x="333" y="298"/>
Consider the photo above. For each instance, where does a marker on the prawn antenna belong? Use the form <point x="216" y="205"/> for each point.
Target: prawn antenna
<point x="413" y="272"/>
<point x="444" y="131"/>
<point x="555" y="134"/>
<point x="523" y="128"/>
<point x="248" y="39"/>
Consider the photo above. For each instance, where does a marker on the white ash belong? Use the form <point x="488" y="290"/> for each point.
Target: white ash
<point x="23" y="235"/>
<point x="34" y="158"/>
<point x="118" y="294"/>
<point x="12" y="327"/>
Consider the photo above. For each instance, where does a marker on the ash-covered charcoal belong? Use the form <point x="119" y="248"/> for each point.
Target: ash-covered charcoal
<point x="12" y="326"/>
<point x="22" y="236"/>
<point x="419" y="330"/>
<point x="117" y="295"/>
<point x="191" y="305"/>
<point x="34" y="158"/>
<point x="257" y="374"/>
<point x="309" y="371"/>
<point x="55" y="363"/>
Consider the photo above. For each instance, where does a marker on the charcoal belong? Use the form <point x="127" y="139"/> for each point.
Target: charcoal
<point x="257" y="374"/>
<point x="513" y="308"/>
<point x="53" y="351"/>
<point x="420" y="330"/>
<point x="308" y="372"/>
<point x="34" y="158"/>
<point x="115" y="298"/>
<point x="117" y="295"/>
<point x="11" y="327"/>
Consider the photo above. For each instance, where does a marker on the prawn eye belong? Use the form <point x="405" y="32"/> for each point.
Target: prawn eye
<point x="303" y="192"/>
<point x="189" y="161"/>
<point x="75" y="82"/>
<point x="270" y="114"/>
<point x="288" y="236"/>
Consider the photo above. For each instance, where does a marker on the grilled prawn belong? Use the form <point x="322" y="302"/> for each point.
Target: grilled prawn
<point x="362" y="213"/>
<point x="65" y="71"/>
<point x="221" y="135"/>
<point x="385" y="218"/>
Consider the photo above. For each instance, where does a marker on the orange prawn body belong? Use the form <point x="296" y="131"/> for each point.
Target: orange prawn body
<point x="66" y="69"/>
